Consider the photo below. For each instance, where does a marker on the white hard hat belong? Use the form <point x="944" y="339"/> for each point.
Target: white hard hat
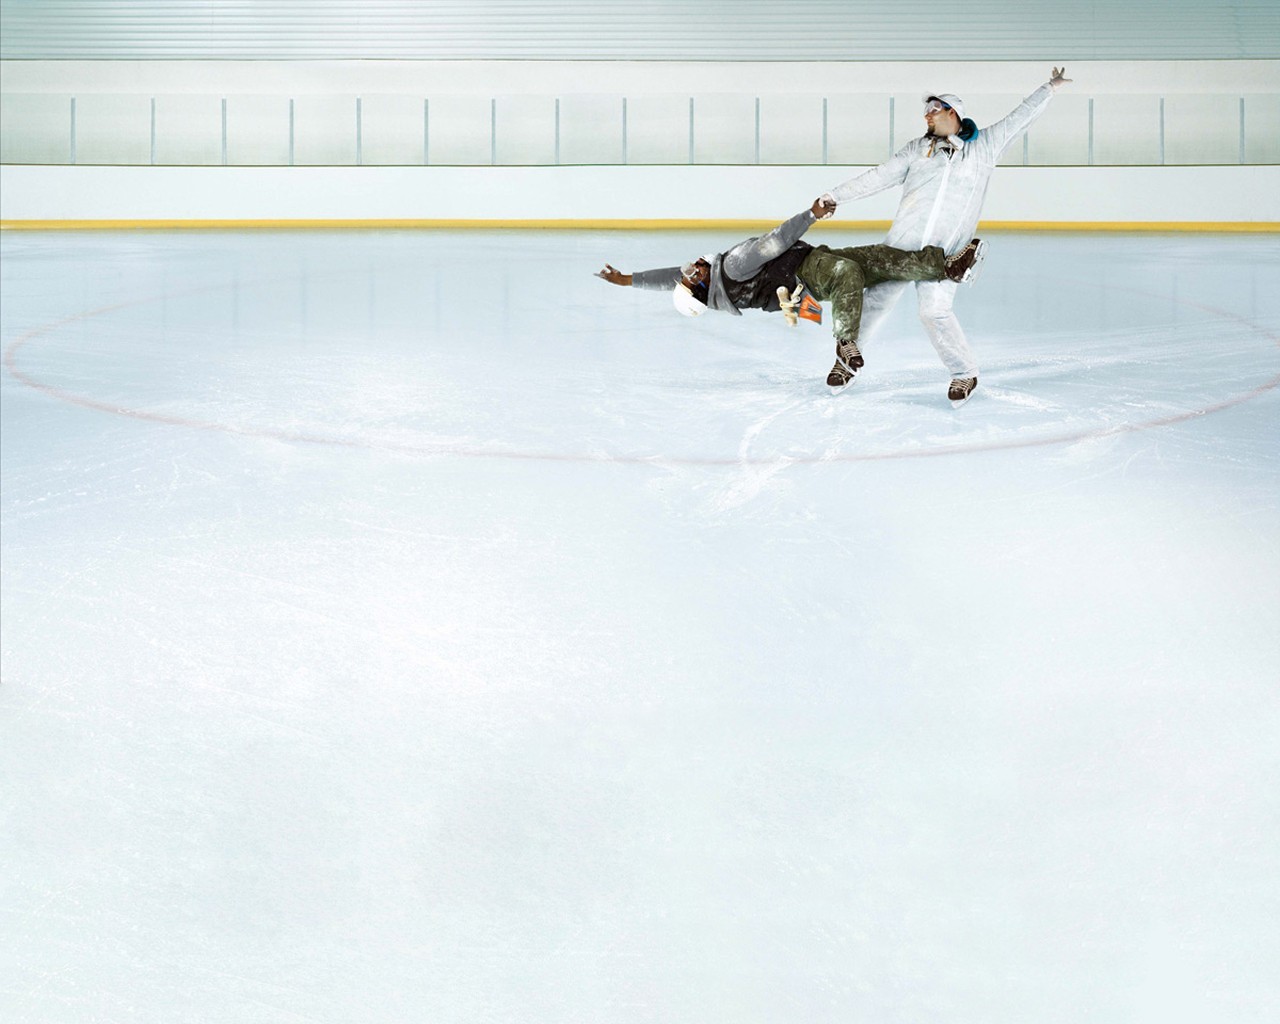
<point x="950" y="99"/>
<point x="684" y="301"/>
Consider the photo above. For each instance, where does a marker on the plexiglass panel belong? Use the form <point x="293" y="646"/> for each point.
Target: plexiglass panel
<point x="392" y="130"/>
<point x="525" y="130"/>
<point x="460" y="130"/>
<point x="1262" y="129"/>
<point x="858" y="129"/>
<point x="591" y="130"/>
<point x="113" y="129"/>
<point x="791" y="130"/>
<point x="257" y="130"/>
<point x="326" y="130"/>
<point x="1060" y="136"/>
<point x="724" y="129"/>
<point x="188" y="130"/>
<point x="1202" y="129"/>
<point x="543" y="130"/>
<point x="658" y="130"/>
<point x="1126" y="130"/>
<point x="36" y="129"/>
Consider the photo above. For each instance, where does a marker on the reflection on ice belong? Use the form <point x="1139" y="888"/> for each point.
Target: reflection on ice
<point x="423" y="346"/>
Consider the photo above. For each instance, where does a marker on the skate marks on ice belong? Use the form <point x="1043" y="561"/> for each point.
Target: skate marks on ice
<point x="372" y="362"/>
<point x="753" y="475"/>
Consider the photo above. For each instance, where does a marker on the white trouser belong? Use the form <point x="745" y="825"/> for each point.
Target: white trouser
<point x="940" y="323"/>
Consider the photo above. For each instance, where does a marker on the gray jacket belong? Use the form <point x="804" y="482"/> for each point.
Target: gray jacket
<point x="740" y="263"/>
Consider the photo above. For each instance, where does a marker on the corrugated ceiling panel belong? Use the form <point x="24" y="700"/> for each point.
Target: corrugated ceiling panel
<point x="680" y="30"/>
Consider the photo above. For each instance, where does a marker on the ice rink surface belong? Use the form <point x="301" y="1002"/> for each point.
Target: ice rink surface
<point x="410" y="627"/>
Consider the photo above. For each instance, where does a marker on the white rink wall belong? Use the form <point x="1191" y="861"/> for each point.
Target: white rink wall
<point x="1170" y="141"/>
<point x="1029" y="195"/>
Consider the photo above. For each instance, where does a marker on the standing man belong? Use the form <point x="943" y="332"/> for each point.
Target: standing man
<point x="944" y="176"/>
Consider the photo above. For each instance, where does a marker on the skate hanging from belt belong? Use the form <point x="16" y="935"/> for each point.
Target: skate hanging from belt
<point x="798" y="305"/>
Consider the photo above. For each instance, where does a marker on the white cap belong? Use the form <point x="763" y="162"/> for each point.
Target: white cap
<point x="950" y="99"/>
<point x="684" y="301"/>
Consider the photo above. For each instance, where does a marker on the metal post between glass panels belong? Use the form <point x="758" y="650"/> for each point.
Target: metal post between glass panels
<point x="1242" y="129"/>
<point x="691" y="150"/>
<point x="757" y="129"/>
<point x="72" y="151"/>
<point x="1090" y="131"/>
<point x="824" y="131"/>
<point x="1161" y="131"/>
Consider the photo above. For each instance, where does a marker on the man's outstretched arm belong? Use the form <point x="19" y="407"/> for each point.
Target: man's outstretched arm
<point x="746" y="258"/>
<point x="666" y="277"/>
<point x="1020" y="118"/>
<point x="656" y="280"/>
<point x="888" y="174"/>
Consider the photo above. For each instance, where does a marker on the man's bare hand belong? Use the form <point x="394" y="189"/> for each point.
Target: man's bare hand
<point x="613" y="276"/>
<point x="1057" y="80"/>
<point x="823" y="207"/>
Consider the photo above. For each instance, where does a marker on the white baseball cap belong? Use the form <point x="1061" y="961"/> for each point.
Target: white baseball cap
<point x="950" y="99"/>
<point x="684" y="301"/>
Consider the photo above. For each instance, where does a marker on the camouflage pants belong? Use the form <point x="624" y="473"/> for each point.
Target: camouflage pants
<point x="839" y="276"/>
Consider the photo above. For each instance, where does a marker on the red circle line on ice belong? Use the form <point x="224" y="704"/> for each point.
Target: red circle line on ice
<point x="467" y="451"/>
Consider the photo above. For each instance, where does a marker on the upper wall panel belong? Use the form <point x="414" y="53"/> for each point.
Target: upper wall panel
<point x="671" y="30"/>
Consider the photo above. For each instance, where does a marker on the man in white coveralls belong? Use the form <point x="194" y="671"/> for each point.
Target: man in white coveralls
<point x="944" y="176"/>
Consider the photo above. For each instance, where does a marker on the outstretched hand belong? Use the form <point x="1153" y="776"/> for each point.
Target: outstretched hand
<point x="1057" y="80"/>
<point x="613" y="276"/>
<point x="823" y="207"/>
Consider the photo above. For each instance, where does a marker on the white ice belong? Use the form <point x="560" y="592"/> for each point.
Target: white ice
<point x="411" y="627"/>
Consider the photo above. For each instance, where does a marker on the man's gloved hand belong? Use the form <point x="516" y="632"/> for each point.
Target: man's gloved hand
<point x="1056" y="80"/>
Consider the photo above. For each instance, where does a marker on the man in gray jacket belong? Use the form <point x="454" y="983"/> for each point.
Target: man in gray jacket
<point x="770" y="273"/>
<point x="944" y="176"/>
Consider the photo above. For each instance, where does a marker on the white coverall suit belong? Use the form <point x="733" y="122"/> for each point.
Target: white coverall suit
<point x="941" y="202"/>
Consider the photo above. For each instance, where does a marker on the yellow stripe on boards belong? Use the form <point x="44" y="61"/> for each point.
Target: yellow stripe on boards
<point x="1215" y="227"/>
<point x="1260" y="227"/>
